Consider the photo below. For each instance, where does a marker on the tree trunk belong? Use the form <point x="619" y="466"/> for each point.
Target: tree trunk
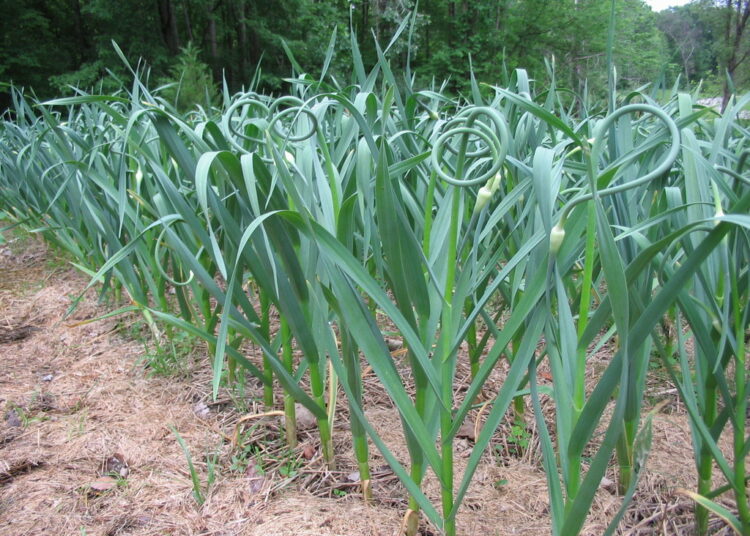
<point x="362" y="36"/>
<point x="737" y="18"/>
<point x="686" y="64"/>
<point x="188" y="23"/>
<point x="242" y="38"/>
<point x="168" y="20"/>
<point x="84" y="45"/>
<point x="213" y="46"/>
<point x="379" y="24"/>
<point x="229" y="52"/>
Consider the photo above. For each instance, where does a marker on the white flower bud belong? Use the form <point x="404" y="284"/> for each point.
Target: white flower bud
<point x="494" y="183"/>
<point x="483" y="197"/>
<point x="486" y="192"/>
<point x="556" y="237"/>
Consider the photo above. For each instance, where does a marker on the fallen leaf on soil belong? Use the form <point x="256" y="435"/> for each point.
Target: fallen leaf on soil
<point x="543" y="374"/>
<point x="308" y="452"/>
<point x="103" y="484"/>
<point x="467" y="431"/>
<point x="255" y="480"/>
<point x="353" y="477"/>
<point x="201" y="410"/>
<point x="305" y="418"/>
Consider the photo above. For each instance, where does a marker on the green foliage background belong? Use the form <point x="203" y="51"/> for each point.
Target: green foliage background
<point x="50" y="45"/>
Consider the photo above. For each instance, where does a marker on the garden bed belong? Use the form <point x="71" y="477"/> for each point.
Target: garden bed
<point x="86" y="445"/>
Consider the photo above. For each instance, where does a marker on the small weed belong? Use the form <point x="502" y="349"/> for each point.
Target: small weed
<point x="212" y="461"/>
<point x="78" y="426"/>
<point x="241" y="399"/>
<point x="265" y="456"/>
<point x="198" y="495"/>
<point x="499" y="484"/>
<point x="121" y="481"/>
<point x="519" y="437"/>
<point x="242" y="460"/>
<point x="290" y="468"/>
<point x="238" y="463"/>
<point x="24" y="415"/>
<point x="170" y="358"/>
<point x="245" y="456"/>
<point x="516" y="441"/>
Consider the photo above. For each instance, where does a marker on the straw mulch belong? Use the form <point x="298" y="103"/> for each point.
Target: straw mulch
<point x="87" y="447"/>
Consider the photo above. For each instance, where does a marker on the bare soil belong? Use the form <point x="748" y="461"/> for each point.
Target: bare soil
<point x="88" y="443"/>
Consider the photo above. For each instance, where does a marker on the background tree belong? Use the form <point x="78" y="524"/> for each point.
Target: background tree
<point x="50" y="44"/>
<point x="684" y="36"/>
<point x="734" y="49"/>
<point x="690" y="31"/>
<point x="191" y="81"/>
<point x="28" y="30"/>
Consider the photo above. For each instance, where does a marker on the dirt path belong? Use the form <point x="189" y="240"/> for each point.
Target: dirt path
<point x="78" y="407"/>
<point x="87" y="446"/>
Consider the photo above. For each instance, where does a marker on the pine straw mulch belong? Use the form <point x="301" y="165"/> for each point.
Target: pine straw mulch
<point x="87" y="443"/>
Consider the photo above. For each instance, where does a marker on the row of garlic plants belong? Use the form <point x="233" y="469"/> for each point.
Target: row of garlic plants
<point x="534" y="216"/>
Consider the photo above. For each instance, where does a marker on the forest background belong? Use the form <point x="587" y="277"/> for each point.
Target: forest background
<point x="50" y="45"/>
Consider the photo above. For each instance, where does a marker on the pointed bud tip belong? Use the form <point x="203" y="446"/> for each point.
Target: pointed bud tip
<point x="556" y="237"/>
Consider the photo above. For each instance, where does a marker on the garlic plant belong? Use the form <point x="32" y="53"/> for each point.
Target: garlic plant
<point x="497" y="223"/>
